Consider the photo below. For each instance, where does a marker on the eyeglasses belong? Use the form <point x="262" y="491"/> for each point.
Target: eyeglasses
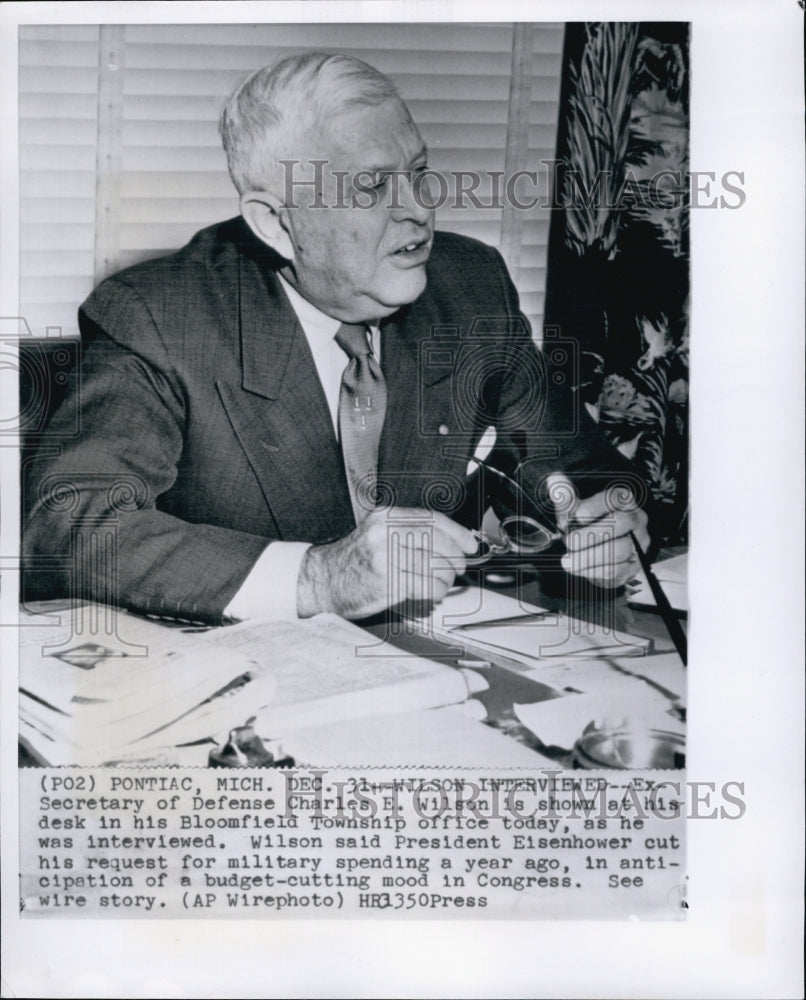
<point x="518" y="535"/>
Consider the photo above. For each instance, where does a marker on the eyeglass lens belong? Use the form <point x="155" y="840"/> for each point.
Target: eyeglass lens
<point x="525" y="536"/>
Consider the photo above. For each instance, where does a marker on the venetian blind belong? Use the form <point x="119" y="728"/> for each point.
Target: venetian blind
<point x="454" y="79"/>
<point x="58" y="102"/>
<point x="163" y="173"/>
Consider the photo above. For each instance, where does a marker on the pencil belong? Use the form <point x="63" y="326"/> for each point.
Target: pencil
<point x="673" y="627"/>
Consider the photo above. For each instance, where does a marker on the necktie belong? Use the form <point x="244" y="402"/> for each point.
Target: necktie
<point x="362" y="406"/>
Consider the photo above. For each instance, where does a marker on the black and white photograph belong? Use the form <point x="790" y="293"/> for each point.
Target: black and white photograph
<point x="311" y="408"/>
<point x="382" y="533"/>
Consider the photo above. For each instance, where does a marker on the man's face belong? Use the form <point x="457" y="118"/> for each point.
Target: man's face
<point x="350" y="256"/>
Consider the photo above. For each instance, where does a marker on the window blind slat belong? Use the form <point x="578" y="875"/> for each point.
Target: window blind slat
<point x="204" y="108"/>
<point x="537" y="235"/>
<point x="227" y="58"/>
<point x="55" y="53"/>
<point x="58" y="107"/>
<point x="532" y="281"/>
<point x="56" y="237"/>
<point x="57" y="289"/>
<point x="160" y="159"/>
<point x="466" y="87"/>
<point x="205" y="184"/>
<point x="185" y="211"/>
<point x="58" y="132"/>
<point x="470" y="38"/>
<point x="195" y="135"/>
<point x="55" y="159"/>
<point x="54" y="262"/>
<point x="61" y="33"/>
<point x="54" y="183"/>
<point x="58" y="79"/>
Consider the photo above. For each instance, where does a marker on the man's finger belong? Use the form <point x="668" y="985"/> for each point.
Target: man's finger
<point x="593" y="509"/>
<point x="440" y="550"/>
<point x="464" y="540"/>
<point x="415" y="576"/>
<point x="615" y="551"/>
<point x="641" y="530"/>
<point x="608" y="527"/>
<point x="461" y="540"/>
<point x="564" y="497"/>
<point x="422" y="562"/>
<point x="604" y="505"/>
<point x="448" y="547"/>
<point x="607" y="575"/>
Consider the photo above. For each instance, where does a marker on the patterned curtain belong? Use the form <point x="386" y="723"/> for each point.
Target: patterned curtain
<point x="618" y="279"/>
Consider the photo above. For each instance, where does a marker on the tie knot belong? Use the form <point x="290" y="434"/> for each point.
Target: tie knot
<point x="352" y="339"/>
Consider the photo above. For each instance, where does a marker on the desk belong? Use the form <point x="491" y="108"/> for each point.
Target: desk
<point x="510" y="682"/>
<point x="514" y="683"/>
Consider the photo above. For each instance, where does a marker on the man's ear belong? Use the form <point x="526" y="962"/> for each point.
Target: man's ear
<point x="265" y="216"/>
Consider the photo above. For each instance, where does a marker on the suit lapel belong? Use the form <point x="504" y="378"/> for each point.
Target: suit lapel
<point x="420" y="415"/>
<point x="278" y="410"/>
<point x="280" y="414"/>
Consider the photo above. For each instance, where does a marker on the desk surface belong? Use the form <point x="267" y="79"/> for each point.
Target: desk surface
<point x="511" y="683"/>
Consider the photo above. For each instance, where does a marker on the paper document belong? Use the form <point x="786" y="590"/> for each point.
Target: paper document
<point x="327" y="669"/>
<point x="561" y="721"/>
<point x="486" y="621"/>
<point x="443" y="737"/>
<point x="672" y="574"/>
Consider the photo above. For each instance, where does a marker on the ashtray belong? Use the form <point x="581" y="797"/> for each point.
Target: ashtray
<point x="630" y="749"/>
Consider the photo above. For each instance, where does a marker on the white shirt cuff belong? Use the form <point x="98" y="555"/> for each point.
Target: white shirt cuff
<point x="270" y="589"/>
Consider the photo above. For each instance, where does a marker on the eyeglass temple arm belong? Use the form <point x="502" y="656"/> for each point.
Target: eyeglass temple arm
<point x="551" y="529"/>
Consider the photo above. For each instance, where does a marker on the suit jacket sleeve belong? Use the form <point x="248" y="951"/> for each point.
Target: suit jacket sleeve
<point x="93" y="527"/>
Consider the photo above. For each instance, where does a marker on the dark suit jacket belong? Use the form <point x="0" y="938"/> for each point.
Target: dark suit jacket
<point x="205" y="433"/>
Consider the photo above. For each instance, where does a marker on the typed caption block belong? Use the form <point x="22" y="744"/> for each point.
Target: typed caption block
<point x="172" y="843"/>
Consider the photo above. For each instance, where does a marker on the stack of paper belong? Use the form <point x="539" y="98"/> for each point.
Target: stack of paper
<point x="97" y="684"/>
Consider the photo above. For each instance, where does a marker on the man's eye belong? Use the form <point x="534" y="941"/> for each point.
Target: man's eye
<point x="379" y="182"/>
<point x="421" y="169"/>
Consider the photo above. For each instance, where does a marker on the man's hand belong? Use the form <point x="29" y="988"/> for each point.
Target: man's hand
<point x="597" y="532"/>
<point x="396" y="554"/>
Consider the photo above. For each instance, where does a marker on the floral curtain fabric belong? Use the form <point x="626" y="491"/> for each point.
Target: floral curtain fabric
<point x="619" y="250"/>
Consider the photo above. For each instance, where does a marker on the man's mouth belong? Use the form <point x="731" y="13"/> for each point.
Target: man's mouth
<point x="415" y="252"/>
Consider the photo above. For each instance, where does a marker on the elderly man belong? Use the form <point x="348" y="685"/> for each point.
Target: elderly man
<point x="238" y="397"/>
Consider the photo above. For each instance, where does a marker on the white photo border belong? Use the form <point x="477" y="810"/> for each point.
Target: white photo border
<point x="743" y="936"/>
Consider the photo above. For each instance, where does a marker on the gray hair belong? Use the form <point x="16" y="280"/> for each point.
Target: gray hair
<point x="259" y="120"/>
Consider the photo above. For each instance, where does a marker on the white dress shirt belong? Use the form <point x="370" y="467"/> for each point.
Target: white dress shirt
<point x="270" y="589"/>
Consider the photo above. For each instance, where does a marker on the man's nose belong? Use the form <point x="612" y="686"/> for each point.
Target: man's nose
<point x="415" y="199"/>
